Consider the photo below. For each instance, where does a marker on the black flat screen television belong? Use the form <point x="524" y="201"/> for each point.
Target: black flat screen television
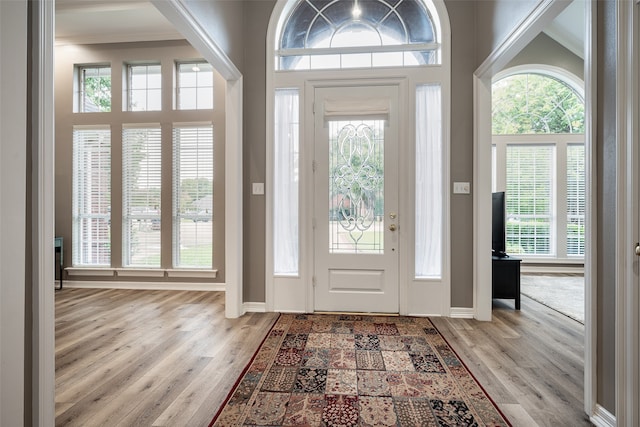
<point x="498" y="225"/>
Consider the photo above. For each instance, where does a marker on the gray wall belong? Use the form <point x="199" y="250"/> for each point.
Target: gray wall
<point x="546" y="51"/>
<point x="496" y="20"/>
<point x="606" y="194"/>
<point x="462" y="17"/>
<point x="223" y="19"/>
<point x="256" y="22"/>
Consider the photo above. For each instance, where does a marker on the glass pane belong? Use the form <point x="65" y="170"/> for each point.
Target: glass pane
<point x="356" y="60"/>
<point x="193" y="196"/>
<point x="205" y="98"/>
<point x="141" y="189"/>
<point x="575" y="199"/>
<point x="194" y="86"/>
<point x="154" y="101"/>
<point x="356" y="186"/>
<point x="95" y="89"/>
<point x="387" y="59"/>
<point x="144" y="88"/>
<point x="319" y="62"/>
<point x="533" y="104"/>
<point x="187" y="98"/>
<point x="91" y="202"/>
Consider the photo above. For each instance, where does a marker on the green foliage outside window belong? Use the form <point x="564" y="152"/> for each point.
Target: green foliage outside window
<point x="96" y="89"/>
<point x="533" y="104"/>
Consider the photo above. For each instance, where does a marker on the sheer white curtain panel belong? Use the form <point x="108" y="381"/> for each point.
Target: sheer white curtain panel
<point x="286" y="183"/>
<point x="429" y="171"/>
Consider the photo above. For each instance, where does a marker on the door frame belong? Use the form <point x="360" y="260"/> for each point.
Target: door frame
<point x="628" y="218"/>
<point x="400" y="124"/>
<point x="543" y="13"/>
<point x="308" y="117"/>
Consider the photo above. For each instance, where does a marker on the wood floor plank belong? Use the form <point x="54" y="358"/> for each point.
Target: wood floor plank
<point x="169" y="358"/>
<point x="530" y="361"/>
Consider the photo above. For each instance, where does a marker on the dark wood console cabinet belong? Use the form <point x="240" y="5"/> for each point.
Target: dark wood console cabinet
<point x="505" y="278"/>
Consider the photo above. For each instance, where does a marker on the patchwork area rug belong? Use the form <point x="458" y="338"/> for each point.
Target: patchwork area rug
<point x="348" y="370"/>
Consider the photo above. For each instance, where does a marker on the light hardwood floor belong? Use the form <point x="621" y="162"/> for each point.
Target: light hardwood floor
<point x="166" y="358"/>
<point x="148" y="358"/>
<point x="531" y="362"/>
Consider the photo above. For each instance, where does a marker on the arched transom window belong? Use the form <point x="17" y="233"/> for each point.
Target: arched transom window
<point x="334" y="34"/>
<point x="532" y="103"/>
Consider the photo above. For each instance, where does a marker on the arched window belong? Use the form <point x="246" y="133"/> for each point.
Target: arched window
<point x="539" y="161"/>
<point x="531" y="103"/>
<point x="321" y="34"/>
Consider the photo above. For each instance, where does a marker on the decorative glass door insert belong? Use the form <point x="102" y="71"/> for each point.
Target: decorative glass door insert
<point x="356" y="186"/>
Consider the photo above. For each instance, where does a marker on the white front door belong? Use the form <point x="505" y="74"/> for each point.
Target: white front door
<point x="356" y="216"/>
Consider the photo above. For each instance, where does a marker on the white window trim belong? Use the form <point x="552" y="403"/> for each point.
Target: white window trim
<point x="560" y="142"/>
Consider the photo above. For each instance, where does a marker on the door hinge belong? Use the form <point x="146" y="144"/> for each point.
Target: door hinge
<point x="314" y="165"/>
<point x="313" y="223"/>
<point x="313" y="281"/>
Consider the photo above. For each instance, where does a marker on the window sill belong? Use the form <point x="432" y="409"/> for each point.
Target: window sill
<point x="90" y="271"/>
<point x="139" y="272"/>
<point x="192" y="274"/>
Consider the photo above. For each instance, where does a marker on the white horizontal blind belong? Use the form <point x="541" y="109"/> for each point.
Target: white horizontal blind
<point x="575" y="199"/>
<point x="195" y="86"/>
<point x="193" y="196"/>
<point x="530" y="183"/>
<point x="141" y="182"/>
<point x="144" y="87"/>
<point x="91" y="200"/>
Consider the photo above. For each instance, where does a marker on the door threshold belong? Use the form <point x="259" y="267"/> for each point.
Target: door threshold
<point x="357" y="313"/>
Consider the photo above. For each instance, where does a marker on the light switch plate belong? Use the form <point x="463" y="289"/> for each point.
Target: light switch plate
<point x="258" y="188"/>
<point x="461" y="188"/>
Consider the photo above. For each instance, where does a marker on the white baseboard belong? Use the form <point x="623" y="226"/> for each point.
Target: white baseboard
<point x="603" y="418"/>
<point x="462" y="313"/>
<point x="166" y="286"/>
<point x="255" y="307"/>
<point x="551" y="269"/>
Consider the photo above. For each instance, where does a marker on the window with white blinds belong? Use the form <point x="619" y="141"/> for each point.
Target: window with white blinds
<point x="575" y="199"/>
<point x="91" y="200"/>
<point x="144" y="91"/>
<point x="193" y="196"/>
<point x="141" y="189"/>
<point x="529" y="199"/>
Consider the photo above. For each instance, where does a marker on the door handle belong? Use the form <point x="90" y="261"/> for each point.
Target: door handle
<point x="393" y="227"/>
<point x="637" y="249"/>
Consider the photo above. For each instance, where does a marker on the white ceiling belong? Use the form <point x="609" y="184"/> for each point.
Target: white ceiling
<point x="113" y="21"/>
<point x="568" y="28"/>
<point x="110" y="21"/>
